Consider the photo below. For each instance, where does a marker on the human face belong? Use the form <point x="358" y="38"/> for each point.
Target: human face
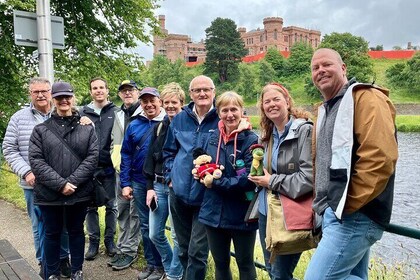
<point x="41" y="96"/>
<point x="151" y="105"/>
<point x="328" y="72"/>
<point x="230" y="114"/>
<point x="99" y="91"/>
<point x="275" y="107"/>
<point x="202" y="92"/>
<point x="129" y="95"/>
<point x="172" y="106"/>
<point x="64" y="103"/>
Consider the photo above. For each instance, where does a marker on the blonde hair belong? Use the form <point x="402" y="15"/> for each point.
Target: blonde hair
<point x="173" y="89"/>
<point x="265" y="123"/>
<point x="229" y="97"/>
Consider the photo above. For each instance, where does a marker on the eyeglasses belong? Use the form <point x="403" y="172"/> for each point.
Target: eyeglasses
<point x="198" y="90"/>
<point x="43" y="92"/>
<point x="127" y="91"/>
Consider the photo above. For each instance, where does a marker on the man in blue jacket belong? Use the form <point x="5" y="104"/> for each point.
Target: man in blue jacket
<point x="133" y="182"/>
<point x="189" y="129"/>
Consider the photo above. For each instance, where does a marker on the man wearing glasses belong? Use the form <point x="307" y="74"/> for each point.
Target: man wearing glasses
<point x="15" y="150"/>
<point x="189" y="129"/>
<point x="128" y="217"/>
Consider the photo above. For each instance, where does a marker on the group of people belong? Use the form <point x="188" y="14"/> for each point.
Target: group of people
<point x="143" y="153"/>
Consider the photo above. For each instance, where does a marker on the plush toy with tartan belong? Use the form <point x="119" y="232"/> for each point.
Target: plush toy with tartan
<point x="204" y="170"/>
<point x="257" y="151"/>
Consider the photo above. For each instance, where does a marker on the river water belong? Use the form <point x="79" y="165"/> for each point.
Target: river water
<point x="395" y="249"/>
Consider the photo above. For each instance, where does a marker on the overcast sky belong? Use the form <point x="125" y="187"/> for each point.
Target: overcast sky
<point x="380" y="22"/>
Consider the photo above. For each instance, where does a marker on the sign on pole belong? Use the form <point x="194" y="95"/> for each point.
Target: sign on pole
<point x="26" y="33"/>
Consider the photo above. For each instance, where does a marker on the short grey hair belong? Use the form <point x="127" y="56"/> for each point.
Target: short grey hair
<point x="39" y="80"/>
<point x="202" y="77"/>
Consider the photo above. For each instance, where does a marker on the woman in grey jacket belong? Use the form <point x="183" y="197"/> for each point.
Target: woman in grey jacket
<point x="287" y="131"/>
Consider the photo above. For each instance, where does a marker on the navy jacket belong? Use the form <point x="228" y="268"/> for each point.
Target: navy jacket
<point x="184" y="135"/>
<point x="224" y="205"/>
<point x="133" y="153"/>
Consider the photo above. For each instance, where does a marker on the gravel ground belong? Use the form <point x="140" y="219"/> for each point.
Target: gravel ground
<point x="16" y="228"/>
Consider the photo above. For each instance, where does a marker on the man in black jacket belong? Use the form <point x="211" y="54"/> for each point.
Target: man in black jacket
<point x="101" y="112"/>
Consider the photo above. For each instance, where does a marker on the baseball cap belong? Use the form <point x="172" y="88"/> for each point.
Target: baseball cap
<point x="61" y="88"/>
<point x="150" y="91"/>
<point x="128" y="83"/>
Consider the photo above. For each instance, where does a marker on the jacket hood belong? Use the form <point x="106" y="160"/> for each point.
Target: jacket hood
<point x="244" y="124"/>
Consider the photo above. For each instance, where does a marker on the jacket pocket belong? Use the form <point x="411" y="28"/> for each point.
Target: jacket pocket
<point x="336" y="186"/>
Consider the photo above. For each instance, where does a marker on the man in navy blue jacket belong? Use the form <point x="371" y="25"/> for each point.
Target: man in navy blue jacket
<point x="189" y="129"/>
<point x="133" y="182"/>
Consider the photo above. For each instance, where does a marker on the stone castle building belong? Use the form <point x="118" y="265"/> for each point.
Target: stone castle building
<point x="273" y="35"/>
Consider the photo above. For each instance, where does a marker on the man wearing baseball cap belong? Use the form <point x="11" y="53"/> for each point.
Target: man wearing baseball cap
<point x="128" y="218"/>
<point x="133" y="182"/>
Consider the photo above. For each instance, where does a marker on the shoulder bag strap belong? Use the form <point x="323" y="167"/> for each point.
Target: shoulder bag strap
<point x="50" y="126"/>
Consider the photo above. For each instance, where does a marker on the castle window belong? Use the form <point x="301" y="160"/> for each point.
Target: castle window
<point x="300" y="37"/>
<point x="296" y="37"/>
<point x="275" y="34"/>
<point x="261" y="38"/>
<point x="266" y="35"/>
<point x="286" y="38"/>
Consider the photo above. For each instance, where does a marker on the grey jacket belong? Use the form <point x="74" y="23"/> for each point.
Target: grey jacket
<point x="16" y="141"/>
<point x="294" y="165"/>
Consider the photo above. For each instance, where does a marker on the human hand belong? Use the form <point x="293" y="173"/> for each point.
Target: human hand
<point x="261" y="180"/>
<point x="150" y="195"/>
<point x="85" y="121"/>
<point x="127" y="193"/>
<point x="68" y="189"/>
<point x="30" y="179"/>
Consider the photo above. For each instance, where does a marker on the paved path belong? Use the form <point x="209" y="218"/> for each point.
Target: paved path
<point x="16" y="228"/>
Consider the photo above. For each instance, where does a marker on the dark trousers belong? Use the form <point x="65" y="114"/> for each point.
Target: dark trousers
<point x="192" y="238"/>
<point x="243" y="241"/>
<point x="54" y="218"/>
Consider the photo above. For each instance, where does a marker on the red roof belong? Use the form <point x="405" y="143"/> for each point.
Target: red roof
<point x="403" y="54"/>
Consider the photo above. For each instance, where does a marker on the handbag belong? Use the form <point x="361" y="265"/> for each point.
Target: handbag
<point x="290" y="222"/>
<point x="100" y="197"/>
<point x="289" y="225"/>
<point x="252" y="212"/>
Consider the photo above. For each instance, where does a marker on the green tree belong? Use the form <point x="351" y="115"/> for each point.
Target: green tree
<point x="377" y="48"/>
<point x="225" y="50"/>
<point x="406" y="74"/>
<point x="354" y="52"/>
<point x="277" y="61"/>
<point x="266" y="73"/>
<point x="247" y="82"/>
<point x="299" y="61"/>
<point x="98" y="37"/>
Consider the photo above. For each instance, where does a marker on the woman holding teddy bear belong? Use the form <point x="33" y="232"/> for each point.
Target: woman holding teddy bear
<point x="225" y="202"/>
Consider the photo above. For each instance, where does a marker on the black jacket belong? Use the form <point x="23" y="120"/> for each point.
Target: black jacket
<point x="53" y="164"/>
<point x="154" y="159"/>
<point x="103" y="127"/>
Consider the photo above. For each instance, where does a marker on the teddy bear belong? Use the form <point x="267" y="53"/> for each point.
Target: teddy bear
<point x="204" y="170"/>
<point x="257" y="151"/>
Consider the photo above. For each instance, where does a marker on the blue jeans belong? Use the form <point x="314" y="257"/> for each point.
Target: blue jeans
<point x="92" y="217"/>
<point x="283" y="266"/>
<point x="55" y="217"/>
<point x="38" y="228"/>
<point x="192" y="238"/>
<point x="343" y="252"/>
<point x="157" y="223"/>
<point x="151" y="254"/>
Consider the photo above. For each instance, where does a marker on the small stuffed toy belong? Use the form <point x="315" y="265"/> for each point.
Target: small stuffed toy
<point x="204" y="170"/>
<point x="257" y="151"/>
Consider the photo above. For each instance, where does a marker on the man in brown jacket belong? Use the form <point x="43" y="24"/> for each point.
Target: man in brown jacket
<point x="356" y="154"/>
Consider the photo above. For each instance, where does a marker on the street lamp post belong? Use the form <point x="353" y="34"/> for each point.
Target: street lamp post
<point x="46" y="67"/>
